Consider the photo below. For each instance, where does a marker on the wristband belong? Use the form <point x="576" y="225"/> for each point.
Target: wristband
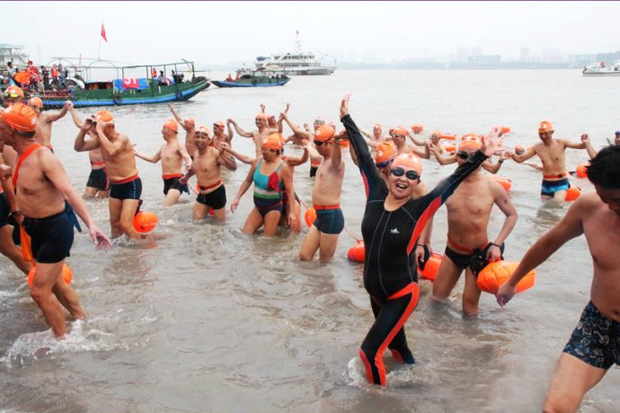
<point x="16" y="213"/>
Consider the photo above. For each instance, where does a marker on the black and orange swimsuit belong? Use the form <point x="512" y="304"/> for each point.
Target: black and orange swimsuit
<point x="390" y="272"/>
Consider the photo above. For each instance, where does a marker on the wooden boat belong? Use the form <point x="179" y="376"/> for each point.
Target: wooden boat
<point x="253" y="80"/>
<point x="127" y="91"/>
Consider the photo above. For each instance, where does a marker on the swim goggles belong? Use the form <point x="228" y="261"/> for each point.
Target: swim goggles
<point x="410" y="174"/>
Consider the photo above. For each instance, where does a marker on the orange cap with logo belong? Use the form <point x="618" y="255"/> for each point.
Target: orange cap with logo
<point x="20" y="117"/>
<point x="385" y="152"/>
<point x="172" y="125"/>
<point x="273" y="141"/>
<point x="324" y="133"/>
<point x="35" y="102"/>
<point x="545" y="126"/>
<point x="471" y="143"/>
<point x="14" y="90"/>
<point x="104" y="115"/>
<point x="219" y="123"/>
<point x="408" y="160"/>
<point x="205" y="130"/>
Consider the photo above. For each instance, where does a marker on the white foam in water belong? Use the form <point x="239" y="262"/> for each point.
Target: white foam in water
<point x="32" y="346"/>
<point x="398" y="375"/>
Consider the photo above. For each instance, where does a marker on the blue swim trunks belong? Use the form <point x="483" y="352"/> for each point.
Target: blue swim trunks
<point x="549" y="188"/>
<point x="329" y="220"/>
<point x="596" y="339"/>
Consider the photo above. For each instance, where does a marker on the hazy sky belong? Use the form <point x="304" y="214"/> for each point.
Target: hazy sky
<point x="223" y="32"/>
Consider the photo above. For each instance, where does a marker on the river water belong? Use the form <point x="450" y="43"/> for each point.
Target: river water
<point x="209" y="319"/>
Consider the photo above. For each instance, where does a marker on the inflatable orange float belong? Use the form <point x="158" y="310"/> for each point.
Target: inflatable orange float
<point x="357" y="252"/>
<point x="67" y="275"/>
<point x="145" y="221"/>
<point x="495" y="274"/>
<point x="431" y="267"/>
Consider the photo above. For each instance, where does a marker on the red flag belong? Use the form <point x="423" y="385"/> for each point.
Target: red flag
<point x="103" y="33"/>
<point x="297" y="32"/>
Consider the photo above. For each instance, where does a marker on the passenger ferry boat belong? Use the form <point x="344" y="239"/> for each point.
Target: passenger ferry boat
<point x="599" y="69"/>
<point x="295" y="63"/>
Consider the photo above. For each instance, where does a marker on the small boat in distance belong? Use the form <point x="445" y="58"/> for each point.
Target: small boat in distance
<point x="157" y="84"/>
<point x="299" y="62"/>
<point x="254" y="79"/>
<point x="599" y="69"/>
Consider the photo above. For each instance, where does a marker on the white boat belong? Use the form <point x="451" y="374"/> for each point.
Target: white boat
<point x="295" y="63"/>
<point x="600" y="69"/>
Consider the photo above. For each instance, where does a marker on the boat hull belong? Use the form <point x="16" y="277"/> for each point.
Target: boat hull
<point x="109" y="97"/>
<point x="225" y="83"/>
<point x="600" y="74"/>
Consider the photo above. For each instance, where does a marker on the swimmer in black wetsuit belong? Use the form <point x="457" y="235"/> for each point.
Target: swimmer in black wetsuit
<point x="391" y="226"/>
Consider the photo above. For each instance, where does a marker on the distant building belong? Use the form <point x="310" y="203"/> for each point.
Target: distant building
<point x="12" y="53"/>
<point x="484" y="59"/>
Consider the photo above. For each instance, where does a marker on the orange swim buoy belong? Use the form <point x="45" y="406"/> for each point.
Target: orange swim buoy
<point x="581" y="170"/>
<point x="431" y="267"/>
<point x="505" y="130"/>
<point x="145" y="221"/>
<point x="572" y="193"/>
<point x="67" y="274"/>
<point x="494" y="275"/>
<point x="417" y="128"/>
<point x="357" y="253"/>
<point x="450" y="148"/>
<point x="310" y="216"/>
<point x="504" y="182"/>
<point x="344" y="143"/>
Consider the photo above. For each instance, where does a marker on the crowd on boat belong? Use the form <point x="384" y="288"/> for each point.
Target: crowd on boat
<point x="396" y="225"/>
<point x="33" y="79"/>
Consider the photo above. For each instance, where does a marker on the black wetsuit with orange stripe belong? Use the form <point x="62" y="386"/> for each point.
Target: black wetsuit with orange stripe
<point x="390" y="272"/>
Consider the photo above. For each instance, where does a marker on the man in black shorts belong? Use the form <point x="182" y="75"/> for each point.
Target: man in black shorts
<point x="47" y="198"/>
<point x="595" y="344"/>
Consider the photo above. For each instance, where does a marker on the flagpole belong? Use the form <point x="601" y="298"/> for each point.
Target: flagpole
<point x="99" y="54"/>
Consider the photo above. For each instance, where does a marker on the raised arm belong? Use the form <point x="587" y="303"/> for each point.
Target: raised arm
<point x="293" y="161"/>
<point x="294" y="127"/>
<point x="569" y="227"/>
<point x="585" y="139"/>
<point x="230" y="131"/>
<point x="226" y="160"/>
<point x="111" y="148"/>
<point x="81" y="145"/>
<point x="442" y="160"/>
<point x="53" y="117"/>
<point x="75" y="117"/>
<point x="574" y="145"/>
<point x="372" y="180"/>
<point x="494" y="168"/>
<point x="176" y="115"/>
<point x="529" y="152"/>
<point x="415" y="141"/>
<point x="240" y="131"/>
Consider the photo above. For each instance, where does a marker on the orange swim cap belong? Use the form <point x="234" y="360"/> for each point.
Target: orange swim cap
<point x="273" y="141"/>
<point x="104" y="115"/>
<point x="398" y="130"/>
<point x="262" y="116"/>
<point x="14" y="90"/>
<point x="386" y="151"/>
<point x="219" y="123"/>
<point x="35" y="102"/>
<point x="191" y="120"/>
<point x="324" y="133"/>
<point x="545" y="126"/>
<point x="408" y="160"/>
<point x="20" y="117"/>
<point x="172" y="125"/>
<point x="377" y="126"/>
<point x="205" y="130"/>
<point x="471" y="136"/>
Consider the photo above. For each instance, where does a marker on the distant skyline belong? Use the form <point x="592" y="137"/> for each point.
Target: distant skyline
<point x="221" y="33"/>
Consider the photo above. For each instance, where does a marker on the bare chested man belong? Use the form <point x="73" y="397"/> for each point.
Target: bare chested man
<point x="47" y="198"/>
<point x="306" y="134"/>
<point x="189" y="125"/>
<point x="377" y="134"/>
<point x="468" y="247"/>
<point x="594" y="346"/>
<point x="43" y="134"/>
<point x="552" y="154"/>
<point x="329" y="222"/>
<point x="125" y="184"/>
<point x="207" y="167"/>
<point x="171" y="154"/>
<point x="398" y="135"/>
<point x="97" y="184"/>
<point x="260" y="134"/>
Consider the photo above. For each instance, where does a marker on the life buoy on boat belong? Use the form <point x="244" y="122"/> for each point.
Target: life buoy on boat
<point x="178" y="94"/>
